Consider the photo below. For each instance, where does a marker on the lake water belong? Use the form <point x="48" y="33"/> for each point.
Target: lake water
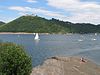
<point x="86" y="45"/>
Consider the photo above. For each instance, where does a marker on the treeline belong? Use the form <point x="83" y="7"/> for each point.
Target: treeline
<point x="38" y="24"/>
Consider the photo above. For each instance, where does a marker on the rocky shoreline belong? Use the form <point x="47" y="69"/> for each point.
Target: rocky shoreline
<point x="66" y="66"/>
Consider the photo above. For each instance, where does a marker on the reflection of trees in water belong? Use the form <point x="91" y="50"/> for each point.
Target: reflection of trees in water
<point x="1" y="41"/>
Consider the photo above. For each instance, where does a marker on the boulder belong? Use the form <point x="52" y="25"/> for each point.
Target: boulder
<point x="66" y="66"/>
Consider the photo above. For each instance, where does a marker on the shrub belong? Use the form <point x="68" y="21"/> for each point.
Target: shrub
<point x="13" y="60"/>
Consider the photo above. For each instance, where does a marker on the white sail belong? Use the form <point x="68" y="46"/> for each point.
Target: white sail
<point x="36" y="36"/>
<point x="94" y="39"/>
<point x="95" y="33"/>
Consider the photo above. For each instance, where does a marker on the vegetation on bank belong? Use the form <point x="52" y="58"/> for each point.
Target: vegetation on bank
<point x="13" y="60"/>
<point x="36" y="24"/>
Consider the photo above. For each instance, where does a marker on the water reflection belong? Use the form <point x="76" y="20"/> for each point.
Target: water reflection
<point x="1" y="40"/>
<point x="36" y="42"/>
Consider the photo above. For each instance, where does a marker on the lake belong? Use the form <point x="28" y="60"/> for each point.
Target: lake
<point x="84" y="45"/>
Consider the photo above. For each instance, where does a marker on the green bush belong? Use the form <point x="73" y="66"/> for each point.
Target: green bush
<point x="13" y="60"/>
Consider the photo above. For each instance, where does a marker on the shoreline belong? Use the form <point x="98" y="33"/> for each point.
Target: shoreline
<point x="39" y="33"/>
<point x="19" y="33"/>
<point x="66" y="66"/>
<point x="31" y="33"/>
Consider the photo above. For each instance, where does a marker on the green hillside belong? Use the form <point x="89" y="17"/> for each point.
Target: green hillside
<point x="42" y="25"/>
<point x="32" y="24"/>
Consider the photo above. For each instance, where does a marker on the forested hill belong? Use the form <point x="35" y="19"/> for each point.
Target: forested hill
<point x="42" y="25"/>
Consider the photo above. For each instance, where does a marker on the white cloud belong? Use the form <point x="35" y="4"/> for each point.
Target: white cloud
<point x="32" y="1"/>
<point x="73" y="5"/>
<point x="80" y="11"/>
<point x="85" y="18"/>
<point x="6" y="19"/>
<point x="26" y="10"/>
<point x="18" y="8"/>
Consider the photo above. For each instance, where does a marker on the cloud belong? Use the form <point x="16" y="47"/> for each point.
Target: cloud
<point x="27" y="10"/>
<point x="18" y="8"/>
<point x="75" y="10"/>
<point x="87" y="17"/>
<point x="80" y="11"/>
<point x="6" y="19"/>
<point x="32" y="1"/>
<point x="73" y="5"/>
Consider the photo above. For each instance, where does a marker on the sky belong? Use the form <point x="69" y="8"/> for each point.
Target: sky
<point x="76" y="11"/>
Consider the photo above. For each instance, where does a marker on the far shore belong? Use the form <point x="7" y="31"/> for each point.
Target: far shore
<point x="19" y="33"/>
<point x="40" y="33"/>
<point x="30" y="33"/>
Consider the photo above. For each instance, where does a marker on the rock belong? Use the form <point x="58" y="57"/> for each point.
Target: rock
<point x="66" y="66"/>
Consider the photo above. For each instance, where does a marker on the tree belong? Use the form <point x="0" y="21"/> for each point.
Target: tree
<point x="14" y="60"/>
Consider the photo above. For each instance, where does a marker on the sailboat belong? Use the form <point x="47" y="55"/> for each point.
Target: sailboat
<point x="95" y="34"/>
<point x="94" y="39"/>
<point x="36" y="36"/>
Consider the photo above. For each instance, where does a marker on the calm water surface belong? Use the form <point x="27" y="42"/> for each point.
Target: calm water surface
<point x="86" y="45"/>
